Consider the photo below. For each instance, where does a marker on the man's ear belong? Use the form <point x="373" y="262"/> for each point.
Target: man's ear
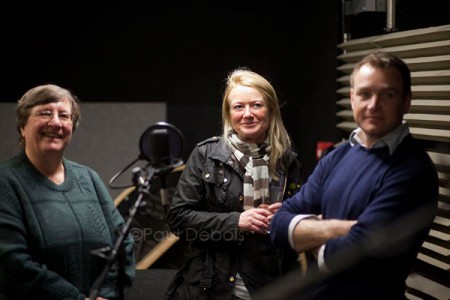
<point x="407" y="103"/>
<point x="351" y="97"/>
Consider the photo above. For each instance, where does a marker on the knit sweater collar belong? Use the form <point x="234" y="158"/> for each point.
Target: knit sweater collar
<point x="41" y="179"/>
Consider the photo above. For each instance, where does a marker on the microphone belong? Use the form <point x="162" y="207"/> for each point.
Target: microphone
<point x="164" y="193"/>
<point x="160" y="158"/>
<point x="162" y="146"/>
<point x="159" y="148"/>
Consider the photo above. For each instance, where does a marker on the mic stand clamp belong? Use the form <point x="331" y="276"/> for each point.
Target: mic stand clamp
<point x="117" y="254"/>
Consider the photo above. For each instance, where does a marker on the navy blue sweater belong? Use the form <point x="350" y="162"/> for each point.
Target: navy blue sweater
<point x="393" y="198"/>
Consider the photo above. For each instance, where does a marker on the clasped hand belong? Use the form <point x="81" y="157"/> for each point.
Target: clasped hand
<point x="258" y="219"/>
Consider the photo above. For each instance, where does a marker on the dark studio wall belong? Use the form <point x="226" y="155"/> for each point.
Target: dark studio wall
<point x="180" y="52"/>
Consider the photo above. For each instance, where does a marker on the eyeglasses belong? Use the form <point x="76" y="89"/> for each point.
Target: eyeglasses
<point x="47" y="115"/>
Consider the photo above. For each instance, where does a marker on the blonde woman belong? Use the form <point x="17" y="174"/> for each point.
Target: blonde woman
<point x="228" y="193"/>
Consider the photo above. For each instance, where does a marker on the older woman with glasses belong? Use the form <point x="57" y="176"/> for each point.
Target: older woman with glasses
<point x="53" y="211"/>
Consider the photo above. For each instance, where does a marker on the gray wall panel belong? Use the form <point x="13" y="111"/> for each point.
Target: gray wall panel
<point x="106" y="140"/>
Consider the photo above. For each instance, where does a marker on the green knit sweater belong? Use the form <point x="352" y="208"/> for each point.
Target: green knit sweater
<point x="47" y="232"/>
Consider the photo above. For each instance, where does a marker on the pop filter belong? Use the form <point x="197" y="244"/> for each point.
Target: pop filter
<point x="162" y="146"/>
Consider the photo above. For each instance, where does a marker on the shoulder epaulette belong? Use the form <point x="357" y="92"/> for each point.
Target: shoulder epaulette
<point x="209" y="140"/>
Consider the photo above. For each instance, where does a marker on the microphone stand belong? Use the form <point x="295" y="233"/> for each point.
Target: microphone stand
<point x="118" y="252"/>
<point x="164" y="194"/>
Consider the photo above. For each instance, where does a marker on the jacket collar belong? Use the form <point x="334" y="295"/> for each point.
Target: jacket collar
<point x="223" y="153"/>
<point x="220" y="151"/>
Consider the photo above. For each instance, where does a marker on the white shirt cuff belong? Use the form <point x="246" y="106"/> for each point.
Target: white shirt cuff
<point x="321" y="260"/>
<point x="294" y="223"/>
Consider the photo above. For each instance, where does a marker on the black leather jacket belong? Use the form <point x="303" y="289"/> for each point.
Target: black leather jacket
<point x="205" y="212"/>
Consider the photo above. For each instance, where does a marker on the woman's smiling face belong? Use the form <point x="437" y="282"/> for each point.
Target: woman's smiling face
<point x="249" y="114"/>
<point x="48" y="128"/>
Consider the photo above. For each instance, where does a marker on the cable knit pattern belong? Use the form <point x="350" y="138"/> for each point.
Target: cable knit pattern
<point x="48" y="232"/>
<point x="94" y="220"/>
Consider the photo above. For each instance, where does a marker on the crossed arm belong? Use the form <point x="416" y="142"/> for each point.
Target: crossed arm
<point x="311" y="233"/>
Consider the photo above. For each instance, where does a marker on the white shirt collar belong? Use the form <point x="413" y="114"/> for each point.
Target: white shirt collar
<point x="392" y="139"/>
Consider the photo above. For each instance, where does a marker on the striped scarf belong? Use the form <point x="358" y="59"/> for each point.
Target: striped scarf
<point x="254" y="158"/>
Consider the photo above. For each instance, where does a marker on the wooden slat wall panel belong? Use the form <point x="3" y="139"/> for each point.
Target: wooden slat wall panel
<point x="408" y="51"/>
<point x="423" y="35"/>
<point x="427" y="53"/>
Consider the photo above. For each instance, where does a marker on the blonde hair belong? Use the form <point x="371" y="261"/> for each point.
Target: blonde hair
<point x="277" y="135"/>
